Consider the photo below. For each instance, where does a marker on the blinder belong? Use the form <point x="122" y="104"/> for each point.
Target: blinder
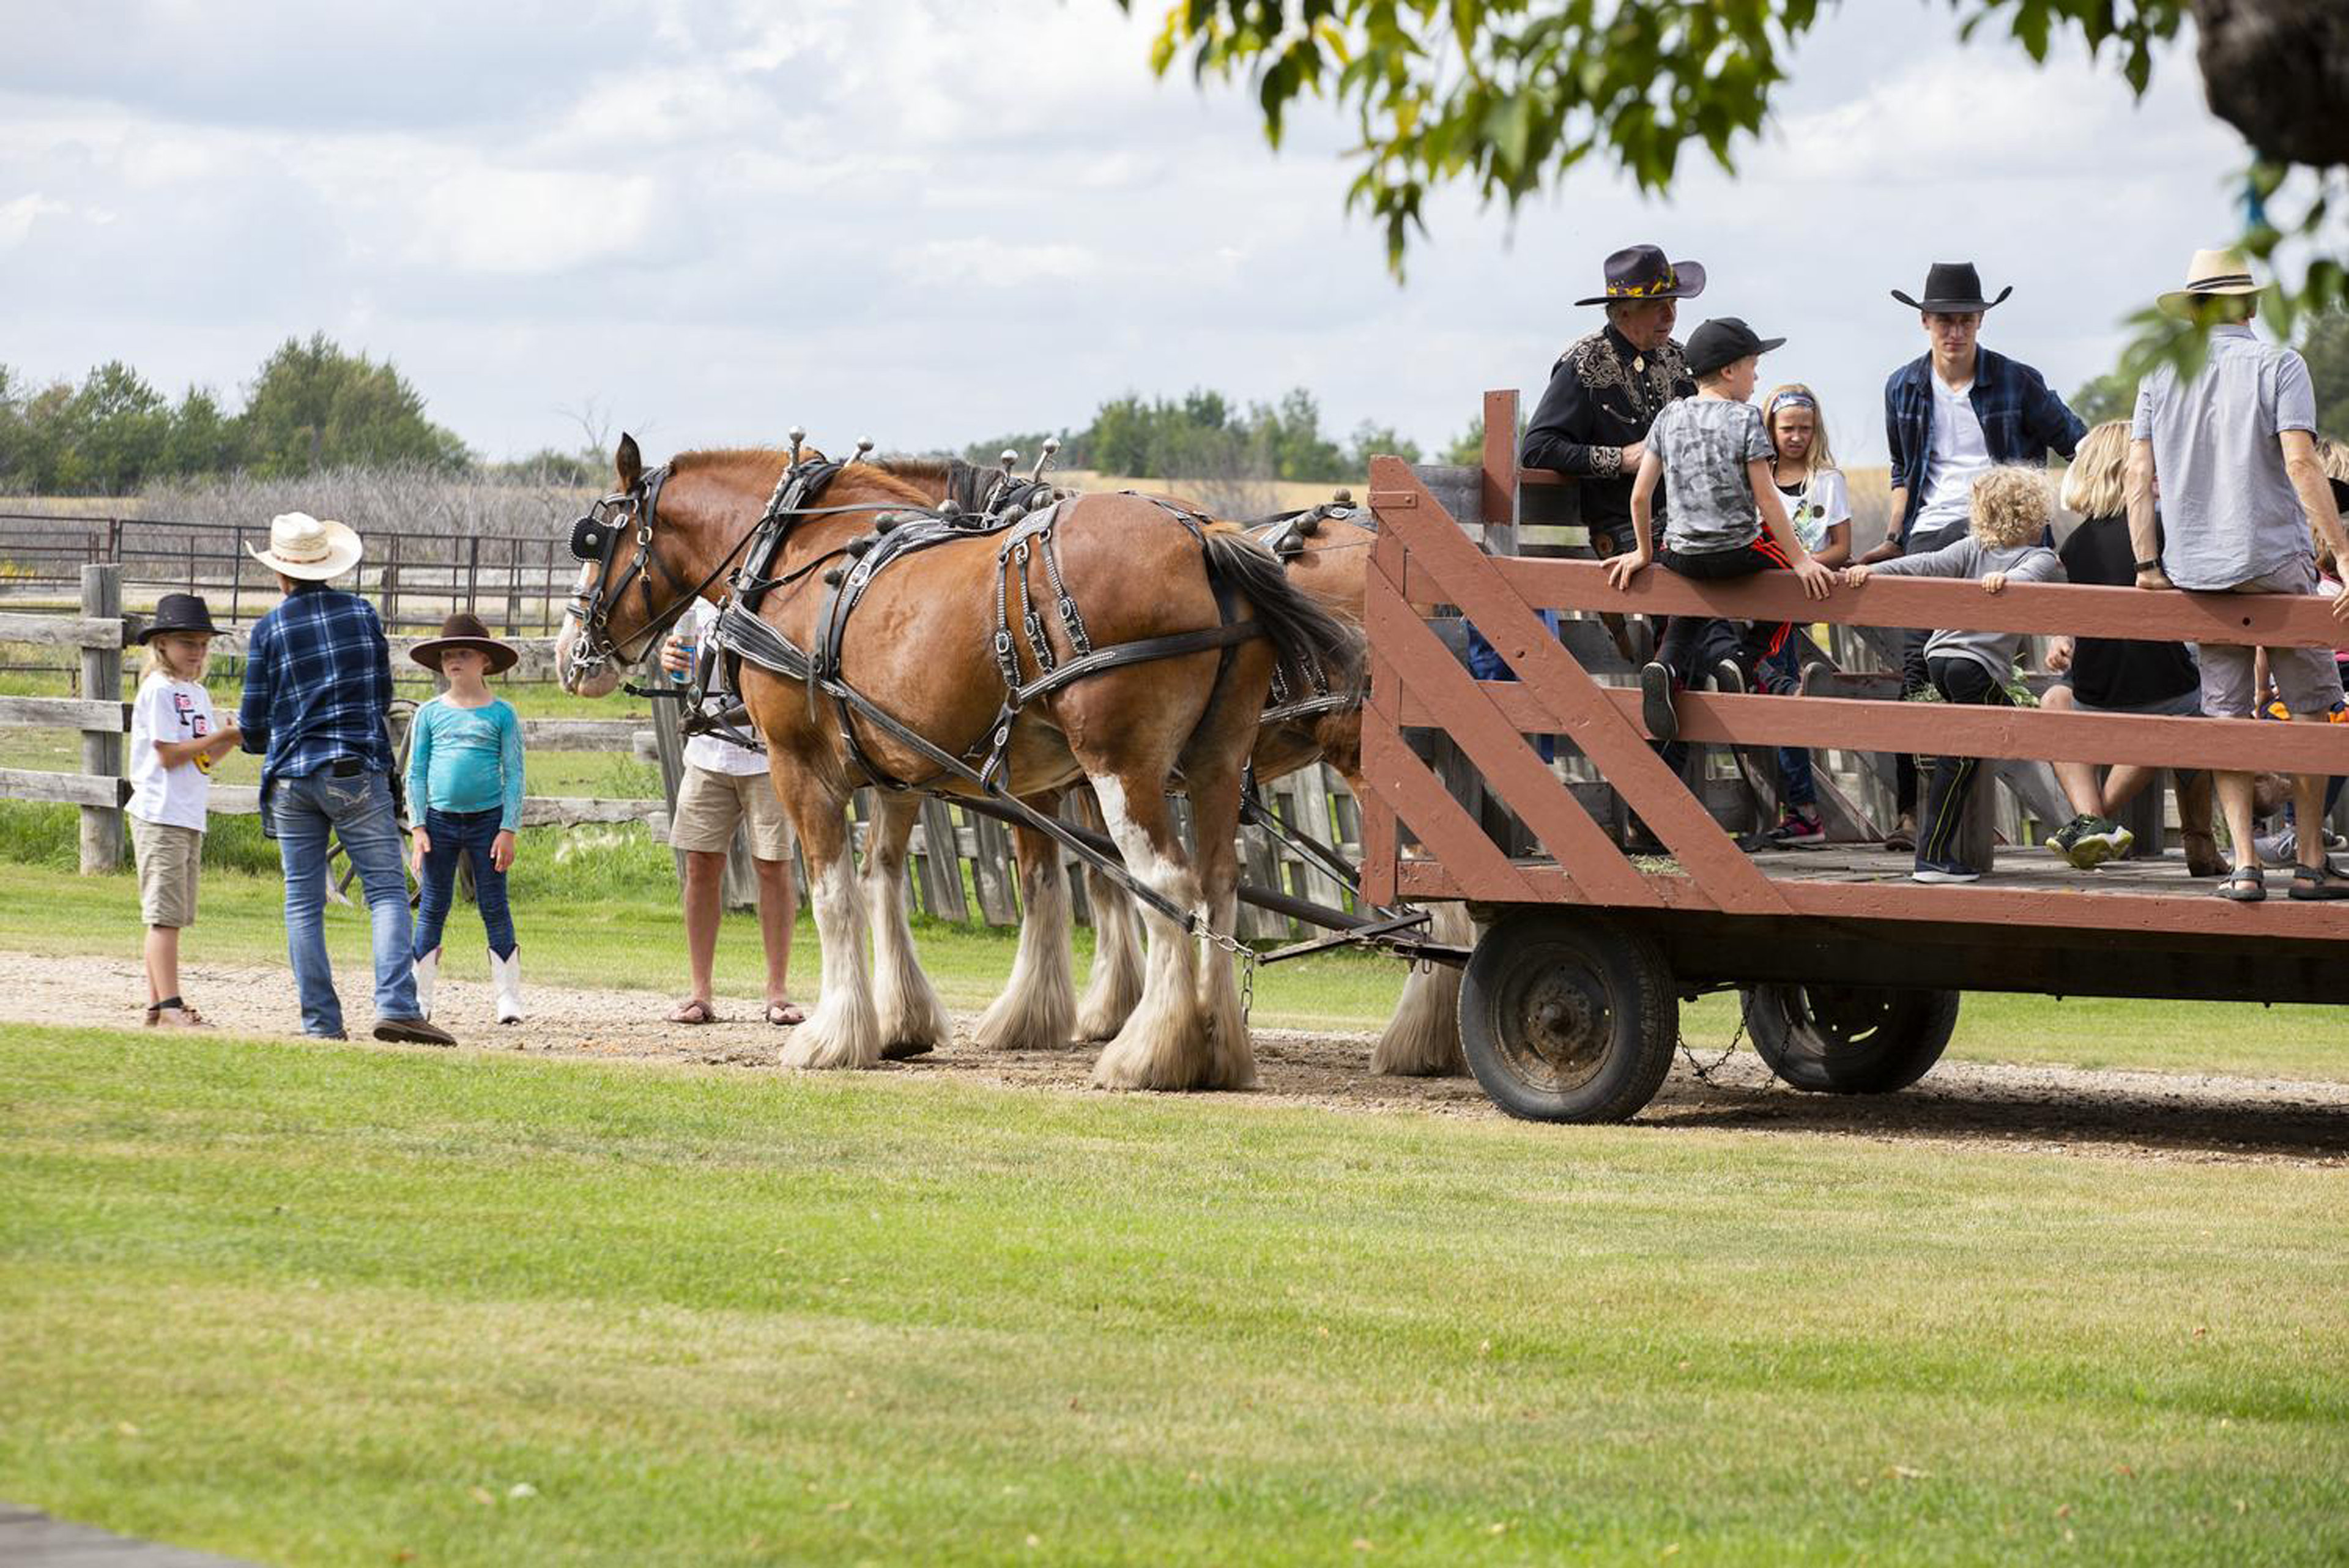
<point x="592" y="535"/>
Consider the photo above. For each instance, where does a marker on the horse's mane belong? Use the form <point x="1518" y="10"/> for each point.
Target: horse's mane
<point x="964" y="483"/>
<point x="769" y="462"/>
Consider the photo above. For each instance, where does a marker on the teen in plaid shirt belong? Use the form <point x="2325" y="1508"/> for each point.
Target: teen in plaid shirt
<point x="317" y="682"/>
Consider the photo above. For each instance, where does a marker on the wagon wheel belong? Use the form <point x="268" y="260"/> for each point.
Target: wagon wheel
<point x="1567" y="1017"/>
<point x="399" y="719"/>
<point x="1850" y="1039"/>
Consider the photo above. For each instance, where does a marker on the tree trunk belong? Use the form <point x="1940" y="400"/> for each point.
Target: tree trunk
<point x="2278" y="71"/>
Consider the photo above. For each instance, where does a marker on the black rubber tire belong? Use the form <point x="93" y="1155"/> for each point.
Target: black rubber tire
<point x="1567" y="1016"/>
<point x="1849" y="1039"/>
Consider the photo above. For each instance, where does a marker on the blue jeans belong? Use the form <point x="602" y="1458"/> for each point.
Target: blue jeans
<point x="1782" y="674"/>
<point x="356" y="808"/>
<point x="469" y="835"/>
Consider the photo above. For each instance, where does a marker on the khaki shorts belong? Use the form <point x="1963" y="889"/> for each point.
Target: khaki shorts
<point x="2307" y="679"/>
<point x="709" y="805"/>
<point x="169" y="857"/>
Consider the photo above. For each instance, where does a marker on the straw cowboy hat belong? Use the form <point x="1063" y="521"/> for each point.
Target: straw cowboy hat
<point x="464" y="629"/>
<point x="2211" y="275"/>
<point x="301" y="545"/>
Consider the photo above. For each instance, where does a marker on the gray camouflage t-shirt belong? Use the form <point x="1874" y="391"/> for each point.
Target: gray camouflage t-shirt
<point x="1704" y="444"/>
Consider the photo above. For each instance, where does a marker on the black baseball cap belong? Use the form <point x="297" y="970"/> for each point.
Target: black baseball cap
<point x="1722" y="341"/>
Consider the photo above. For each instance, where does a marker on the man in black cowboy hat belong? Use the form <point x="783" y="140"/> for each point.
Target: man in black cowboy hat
<point x="1606" y="389"/>
<point x="1951" y="415"/>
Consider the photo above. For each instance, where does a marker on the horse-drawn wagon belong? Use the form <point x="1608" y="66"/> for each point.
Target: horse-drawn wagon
<point x="1850" y="973"/>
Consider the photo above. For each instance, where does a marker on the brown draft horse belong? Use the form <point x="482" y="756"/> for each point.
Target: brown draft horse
<point x="919" y="646"/>
<point x="1422" y="1038"/>
<point x="1041" y="1011"/>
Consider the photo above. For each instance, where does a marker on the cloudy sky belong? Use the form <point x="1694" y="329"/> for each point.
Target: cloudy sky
<point x="935" y="220"/>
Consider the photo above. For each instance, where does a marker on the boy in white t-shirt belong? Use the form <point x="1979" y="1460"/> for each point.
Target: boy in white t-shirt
<point x="173" y="739"/>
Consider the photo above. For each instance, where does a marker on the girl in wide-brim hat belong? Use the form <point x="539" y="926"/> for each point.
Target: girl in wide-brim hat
<point x="464" y="629"/>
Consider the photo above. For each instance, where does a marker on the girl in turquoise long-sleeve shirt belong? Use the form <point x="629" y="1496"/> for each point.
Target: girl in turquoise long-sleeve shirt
<point x="465" y="787"/>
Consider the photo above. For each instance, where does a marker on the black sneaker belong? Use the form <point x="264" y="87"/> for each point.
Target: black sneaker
<point x="412" y="1031"/>
<point x="1656" y="709"/>
<point x="1795" y="831"/>
<point x="1944" y="871"/>
<point x="1727" y="677"/>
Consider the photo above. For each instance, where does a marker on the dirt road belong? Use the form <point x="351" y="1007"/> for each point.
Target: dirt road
<point x="2127" y="1115"/>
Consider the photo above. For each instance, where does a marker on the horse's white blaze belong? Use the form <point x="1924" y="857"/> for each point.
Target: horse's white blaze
<point x="1422" y="1039"/>
<point x="843" y="1030"/>
<point x="904" y="1004"/>
<point x="1037" y="1010"/>
<point x="566" y="644"/>
<point x="1165" y="1044"/>
<point x="1115" y="984"/>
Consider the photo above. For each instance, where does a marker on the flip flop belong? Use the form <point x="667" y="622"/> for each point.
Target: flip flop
<point x="694" y="1011"/>
<point x="791" y="1014"/>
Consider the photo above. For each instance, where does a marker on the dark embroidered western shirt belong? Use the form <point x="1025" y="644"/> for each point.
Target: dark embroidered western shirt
<point x="1602" y="396"/>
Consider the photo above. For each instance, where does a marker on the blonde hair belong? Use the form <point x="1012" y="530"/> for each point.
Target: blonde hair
<point x="1819" y="459"/>
<point x="2096" y="484"/>
<point x="155" y="661"/>
<point x="2012" y="506"/>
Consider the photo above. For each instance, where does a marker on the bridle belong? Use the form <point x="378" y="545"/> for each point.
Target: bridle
<point x="596" y="537"/>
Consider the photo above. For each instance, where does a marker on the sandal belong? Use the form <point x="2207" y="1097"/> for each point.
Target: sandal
<point x="2244" y="885"/>
<point x="784" y="1014"/>
<point x="2319" y="881"/>
<point x="185" y="1017"/>
<point x="693" y="1010"/>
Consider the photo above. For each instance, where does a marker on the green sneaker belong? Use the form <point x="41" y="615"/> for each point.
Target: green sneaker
<point x="2087" y="842"/>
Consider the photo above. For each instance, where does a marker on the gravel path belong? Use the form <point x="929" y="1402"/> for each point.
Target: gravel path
<point x="2127" y="1115"/>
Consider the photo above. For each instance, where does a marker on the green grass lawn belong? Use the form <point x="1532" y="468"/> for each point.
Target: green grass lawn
<point x="616" y="913"/>
<point x="341" y="1306"/>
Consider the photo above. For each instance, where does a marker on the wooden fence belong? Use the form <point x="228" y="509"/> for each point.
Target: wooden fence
<point x="963" y="870"/>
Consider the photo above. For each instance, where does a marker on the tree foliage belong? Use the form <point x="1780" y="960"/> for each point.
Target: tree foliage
<point x="1511" y="96"/>
<point x="1205" y="435"/>
<point x="311" y="406"/>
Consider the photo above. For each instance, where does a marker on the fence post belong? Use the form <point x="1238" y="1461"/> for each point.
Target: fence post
<point x="102" y="750"/>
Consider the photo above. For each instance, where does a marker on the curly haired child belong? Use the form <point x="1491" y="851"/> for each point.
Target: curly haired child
<point x="2009" y="514"/>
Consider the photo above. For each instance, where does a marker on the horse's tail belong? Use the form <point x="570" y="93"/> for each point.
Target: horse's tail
<point x="1305" y="633"/>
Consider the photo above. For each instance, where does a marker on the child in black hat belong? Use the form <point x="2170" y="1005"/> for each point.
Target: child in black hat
<point x="173" y="739"/>
<point x="1713" y="455"/>
<point x="465" y="786"/>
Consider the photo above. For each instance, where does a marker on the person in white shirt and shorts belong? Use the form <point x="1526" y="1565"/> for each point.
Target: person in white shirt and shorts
<point x="726" y="787"/>
<point x="173" y="742"/>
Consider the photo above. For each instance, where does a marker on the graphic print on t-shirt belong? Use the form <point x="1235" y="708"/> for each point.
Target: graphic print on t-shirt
<point x="195" y="726"/>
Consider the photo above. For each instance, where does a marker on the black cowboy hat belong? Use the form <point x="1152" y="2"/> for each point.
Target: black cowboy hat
<point x="1642" y="272"/>
<point x="1953" y="288"/>
<point x="464" y="629"/>
<point x="180" y="612"/>
<point x="1724" y="341"/>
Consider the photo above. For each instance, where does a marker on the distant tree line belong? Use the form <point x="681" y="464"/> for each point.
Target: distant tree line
<point x="2325" y="345"/>
<point x="1205" y="434"/>
<point x="311" y="406"/>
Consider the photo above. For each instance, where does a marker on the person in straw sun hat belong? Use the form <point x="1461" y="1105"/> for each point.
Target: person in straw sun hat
<point x="2233" y="453"/>
<point x="318" y="685"/>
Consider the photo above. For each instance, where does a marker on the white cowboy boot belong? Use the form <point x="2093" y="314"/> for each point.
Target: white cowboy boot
<point x="427" y="969"/>
<point x="505" y="980"/>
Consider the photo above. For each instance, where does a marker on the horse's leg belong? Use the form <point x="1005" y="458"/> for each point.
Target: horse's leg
<point x="912" y="1020"/>
<point x="1037" y="1012"/>
<point x="1165" y="1044"/>
<point x="1422" y="1039"/>
<point x="1216" y="818"/>
<point x="1115" y="984"/>
<point x="843" y="1030"/>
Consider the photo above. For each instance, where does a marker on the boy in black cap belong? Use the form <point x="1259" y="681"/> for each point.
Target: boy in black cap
<point x="1713" y="454"/>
